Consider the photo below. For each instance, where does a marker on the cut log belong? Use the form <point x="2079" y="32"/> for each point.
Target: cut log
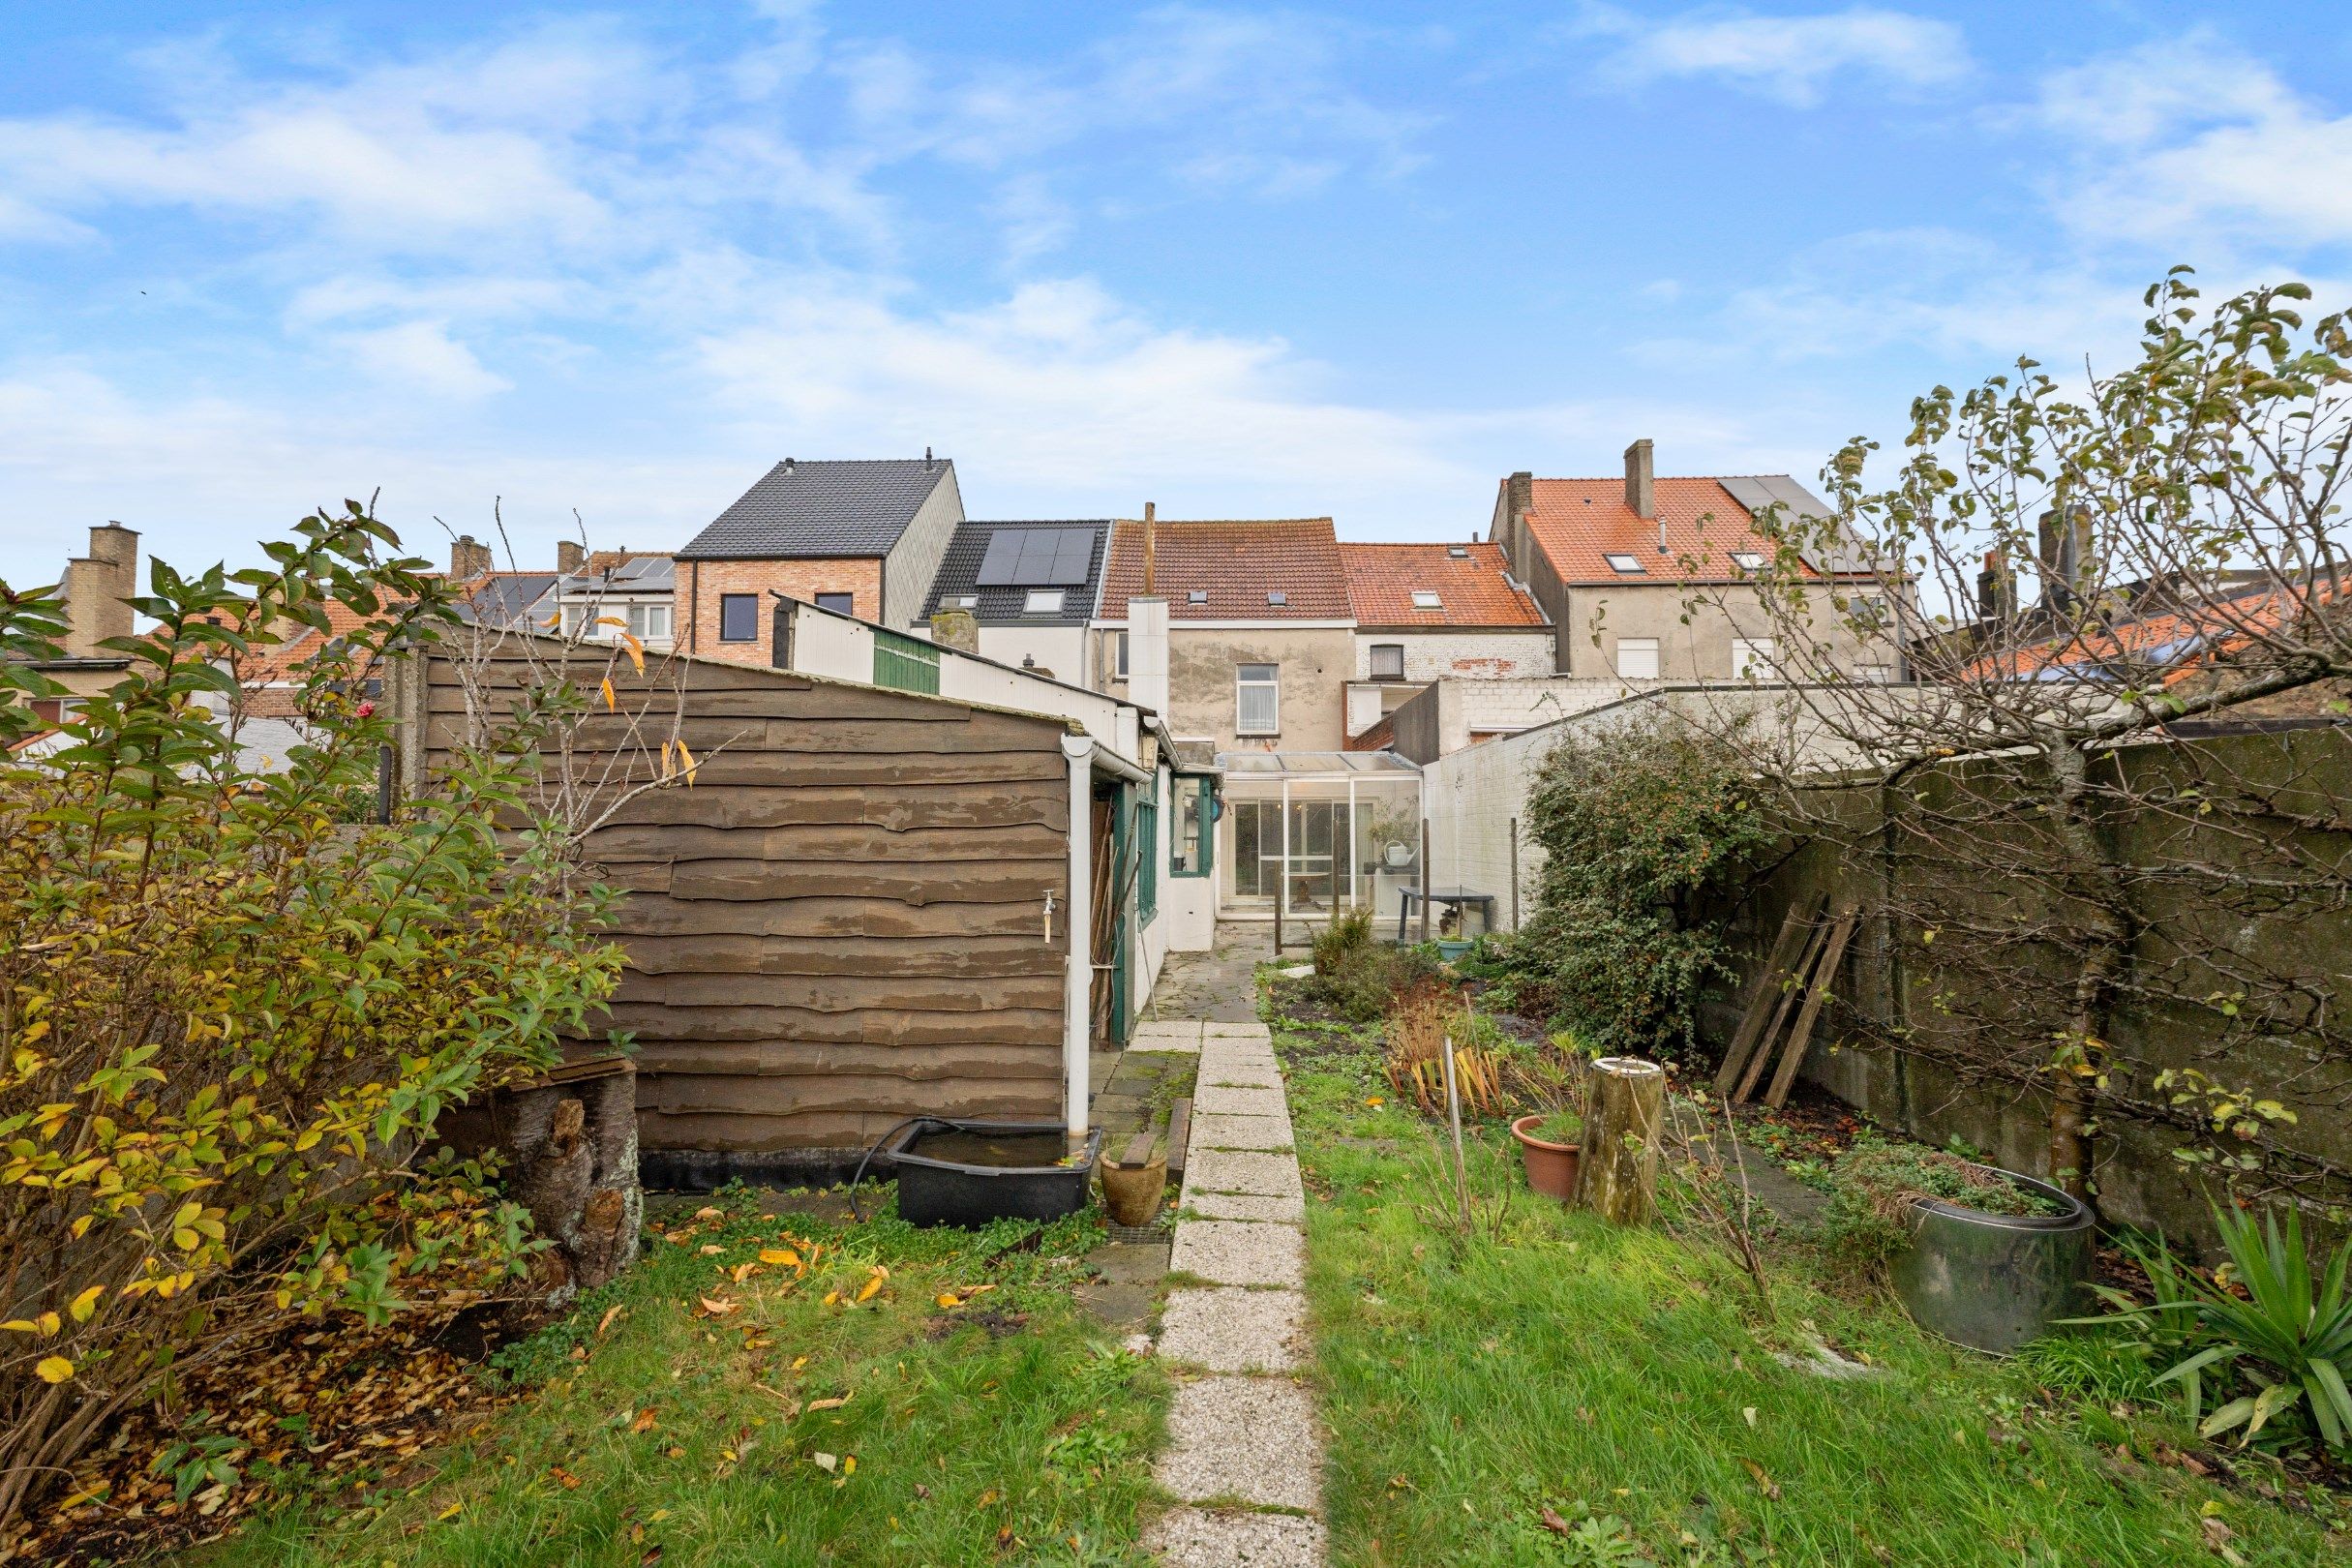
<point x="1823" y="976"/>
<point x="1625" y="1113"/>
<point x="1773" y="986"/>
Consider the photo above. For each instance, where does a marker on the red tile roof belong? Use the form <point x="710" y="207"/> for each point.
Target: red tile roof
<point x="1474" y="588"/>
<point x="1577" y="522"/>
<point x="1377" y="736"/>
<point x="1237" y="563"/>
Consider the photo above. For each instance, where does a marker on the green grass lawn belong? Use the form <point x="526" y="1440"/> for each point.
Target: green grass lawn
<point x="784" y="1429"/>
<point x="1625" y="1381"/>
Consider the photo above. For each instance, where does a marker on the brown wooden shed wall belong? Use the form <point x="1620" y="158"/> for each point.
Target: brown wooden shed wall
<point x="839" y="926"/>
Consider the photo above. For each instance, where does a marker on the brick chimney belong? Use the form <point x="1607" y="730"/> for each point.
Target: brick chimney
<point x="1640" y="479"/>
<point x="1150" y="547"/>
<point x="1995" y="589"/>
<point x="97" y="588"/>
<point x="469" y="559"/>
<point x="571" y="555"/>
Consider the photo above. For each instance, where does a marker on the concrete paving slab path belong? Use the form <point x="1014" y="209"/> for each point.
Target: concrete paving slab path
<point x="1236" y="1538"/>
<point x="1229" y="1099"/>
<point x="1238" y="1170"/>
<point x="1239" y="1253"/>
<point x="1259" y="1210"/>
<point x="1227" y="1329"/>
<point x="1217" y="1130"/>
<point x="1248" y="1438"/>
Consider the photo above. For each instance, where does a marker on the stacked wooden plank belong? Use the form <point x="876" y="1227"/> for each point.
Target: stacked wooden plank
<point x="1796" y="979"/>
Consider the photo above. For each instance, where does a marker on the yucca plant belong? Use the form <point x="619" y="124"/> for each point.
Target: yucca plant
<point x="2289" y="1335"/>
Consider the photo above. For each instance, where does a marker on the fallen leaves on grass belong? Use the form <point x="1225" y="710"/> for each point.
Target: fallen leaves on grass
<point x="1764" y="1483"/>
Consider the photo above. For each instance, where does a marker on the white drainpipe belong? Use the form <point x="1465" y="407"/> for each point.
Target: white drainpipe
<point x="1077" y="984"/>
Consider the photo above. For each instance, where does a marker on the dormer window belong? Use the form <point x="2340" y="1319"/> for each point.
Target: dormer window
<point x="1747" y="560"/>
<point x="1624" y="563"/>
<point x="1042" y="602"/>
<point x="1277" y="596"/>
<point x="1425" y="599"/>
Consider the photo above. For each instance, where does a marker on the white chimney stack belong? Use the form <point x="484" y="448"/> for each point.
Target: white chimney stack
<point x="1147" y="653"/>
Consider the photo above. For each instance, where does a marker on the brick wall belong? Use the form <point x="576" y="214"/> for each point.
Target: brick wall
<point x="702" y="583"/>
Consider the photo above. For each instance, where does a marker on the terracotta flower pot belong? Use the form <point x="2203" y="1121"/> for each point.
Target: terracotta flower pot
<point x="1551" y="1167"/>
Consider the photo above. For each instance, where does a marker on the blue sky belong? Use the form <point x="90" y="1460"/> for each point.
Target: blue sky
<point x="1357" y="260"/>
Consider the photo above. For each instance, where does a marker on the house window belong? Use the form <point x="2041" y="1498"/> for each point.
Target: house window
<point x="1123" y="655"/>
<point x="739" y="617"/>
<point x="1874" y="675"/>
<point x="1752" y="659"/>
<point x="1041" y="602"/>
<point x="575" y="616"/>
<point x="1198" y="596"/>
<point x="840" y="604"/>
<point x="1624" y="563"/>
<point x="1192" y="847"/>
<point x="1747" y="560"/>
<point x="1388" y="662"/>
<point x="1257" y="700"/>
<point x="1278" y="596"/>
<point x="1637" y="658"/>
<point x="1424" y="599"/>
<point x="650" y="622"/>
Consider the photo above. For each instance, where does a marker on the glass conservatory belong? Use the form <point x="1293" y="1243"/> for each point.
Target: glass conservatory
<point x="1319" y="832"/>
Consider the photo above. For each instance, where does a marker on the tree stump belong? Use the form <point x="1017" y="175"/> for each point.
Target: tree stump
<point x="1624" y="1119"/>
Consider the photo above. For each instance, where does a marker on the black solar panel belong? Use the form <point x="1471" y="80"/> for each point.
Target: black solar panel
<point x="1037" y="557"/>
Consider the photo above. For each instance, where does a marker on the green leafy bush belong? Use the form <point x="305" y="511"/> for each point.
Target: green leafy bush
<point x="1646" y="829"/>
<point x="229" y="1015"/>
<point x="2274" y="1342"/>
<point x="1349" y="931"/>
<point x="1366" y="982"/>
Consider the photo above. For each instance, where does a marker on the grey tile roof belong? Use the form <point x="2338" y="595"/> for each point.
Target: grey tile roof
<point x="820" y="509"/>
<point x="960" y="574"/>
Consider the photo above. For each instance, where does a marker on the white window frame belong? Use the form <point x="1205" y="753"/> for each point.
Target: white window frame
<point x="639" y="618"/>
<point x="1372" y="661"/>
<point x="1272" y="685"/>
<point x="1427" y="599"/>
<point x="1624" y="564"/>
<point x="1748" y="561"/>
<point x="1638" y="645"/>
<point x="1122" y="667"/>
<point x="1754" y="658"/>
<point x="1042" y="602"/>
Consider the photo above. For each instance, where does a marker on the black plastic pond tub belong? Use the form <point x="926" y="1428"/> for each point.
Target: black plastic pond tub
<point x="1993" y="1282"/>
<point x="935" y="1191"/>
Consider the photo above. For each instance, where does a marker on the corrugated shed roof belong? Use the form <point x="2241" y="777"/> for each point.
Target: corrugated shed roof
<point x="959" y="575"/>
<point x="1579" y="523"/>
<point x="1473" y="587"/>
<point x="1234" y="564"/>
<point x="821" y="509"/>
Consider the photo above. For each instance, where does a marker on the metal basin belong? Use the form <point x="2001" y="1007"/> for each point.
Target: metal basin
<point x="1993" y="1282"/>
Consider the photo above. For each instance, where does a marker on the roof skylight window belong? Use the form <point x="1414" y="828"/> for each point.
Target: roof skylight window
<point x="1277" y="596"/>
<point x="1042" y="602"/>
<point x="1459" y="552"/>
<point x="1424" y="599"/>
<point x="1747" y="560"/>
<point x="1624" y="563"/>
<point x="1198" y="596"/>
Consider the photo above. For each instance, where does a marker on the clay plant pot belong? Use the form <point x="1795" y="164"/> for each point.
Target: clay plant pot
<point x="1133" y="1193"/>
<point x="1551" y="1167"/>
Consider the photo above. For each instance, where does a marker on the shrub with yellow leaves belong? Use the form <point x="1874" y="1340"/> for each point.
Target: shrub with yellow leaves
<point x="231" y="1014"/>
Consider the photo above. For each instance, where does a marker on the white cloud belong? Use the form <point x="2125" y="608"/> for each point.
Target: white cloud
<point x="422" y="356"/>
<point x="2188" y="142"/>
<point x="1790" y="59"/>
